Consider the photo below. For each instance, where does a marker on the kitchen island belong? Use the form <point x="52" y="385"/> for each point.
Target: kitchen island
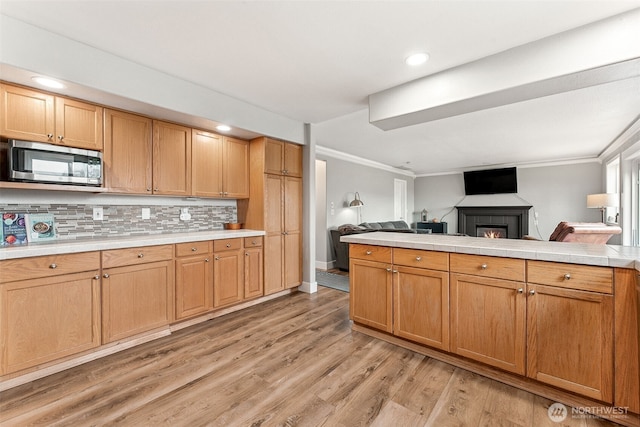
<point x="556" y="319"/>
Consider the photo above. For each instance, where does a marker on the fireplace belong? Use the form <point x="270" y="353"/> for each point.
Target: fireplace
<point x="511" y="222"/>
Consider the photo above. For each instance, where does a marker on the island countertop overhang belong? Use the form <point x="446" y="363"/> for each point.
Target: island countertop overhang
<point x="573" y="253"/>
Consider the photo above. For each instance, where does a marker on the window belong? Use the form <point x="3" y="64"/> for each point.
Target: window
<point x="613" y="186"/>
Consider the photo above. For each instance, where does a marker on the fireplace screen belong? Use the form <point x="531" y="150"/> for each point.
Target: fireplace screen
<point x="492" y="231"/>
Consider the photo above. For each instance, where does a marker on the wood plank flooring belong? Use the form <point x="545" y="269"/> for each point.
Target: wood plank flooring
<point x="293" y="361"/>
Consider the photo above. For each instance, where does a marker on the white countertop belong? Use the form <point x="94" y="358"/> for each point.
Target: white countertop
<point x="575" y="253"/>
<point x="104" y="243"/>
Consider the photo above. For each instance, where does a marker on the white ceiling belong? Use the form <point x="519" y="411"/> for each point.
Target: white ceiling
<point x="317" y="62"/>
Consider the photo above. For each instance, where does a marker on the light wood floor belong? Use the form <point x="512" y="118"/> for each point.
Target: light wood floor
<point x="292" y="361"/>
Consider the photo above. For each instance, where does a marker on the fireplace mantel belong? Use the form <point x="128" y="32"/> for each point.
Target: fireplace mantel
<point x="515" y="218"/>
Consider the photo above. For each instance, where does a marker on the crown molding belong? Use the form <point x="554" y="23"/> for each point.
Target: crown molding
<point x="329" y="152"/>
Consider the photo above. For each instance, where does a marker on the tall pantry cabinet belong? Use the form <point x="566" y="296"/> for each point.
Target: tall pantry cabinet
<point x="275" y="205"/>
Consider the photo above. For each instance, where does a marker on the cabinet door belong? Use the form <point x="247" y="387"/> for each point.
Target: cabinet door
<point x="228" y="277"/>
<point x="293" y="160"/>
<point x="370" y="302"/>
<point x="421" y="299"/>
<point x="274" y="238"/>
<point x="273" y="157"/>
<point x="26" y="114"/>
<point x="136" y="299"/>
<point x="206" y="164"/>
<point x="292" y="231"/>
<point x="127" y="152"/>
<point x="171" y="159"/>
<point x="49" y="318"/>
<point x="253" y="284"/>
<point x="236" y="168"/>
<point x="569" y="336"/>
<point x="488" y="321"/>
<point x="194" y="286"/>
<point x="78" y="124"/>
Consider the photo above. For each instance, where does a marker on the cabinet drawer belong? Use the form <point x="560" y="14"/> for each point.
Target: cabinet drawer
<point x="488" y="266"/>
<point x="573" y="276"/>
<point x="370" y="252"/>
<point x="45" y="266"/>
<point x="421" y="259"/>
<point x="192" y="248"/>
<point x="132" y="256"/>
<point x="226" y="245"/>
<point x="252" y="242"/>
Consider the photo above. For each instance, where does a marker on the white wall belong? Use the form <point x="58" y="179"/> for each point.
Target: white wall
<point x="557" y="193"/>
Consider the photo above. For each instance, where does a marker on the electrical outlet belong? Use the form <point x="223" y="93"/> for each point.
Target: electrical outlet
<point x="146" y="213"/>
<point x="98" y="214"/>
<point x="184" y="214"/>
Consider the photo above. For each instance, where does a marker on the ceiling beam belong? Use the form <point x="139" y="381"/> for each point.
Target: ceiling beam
<point x="598" y="53"/>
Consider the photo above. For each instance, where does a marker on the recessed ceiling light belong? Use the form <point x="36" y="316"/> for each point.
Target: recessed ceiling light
<point x="417" y="59"/>
<point x="45" y="81"/>
<point x="223" y="128"/>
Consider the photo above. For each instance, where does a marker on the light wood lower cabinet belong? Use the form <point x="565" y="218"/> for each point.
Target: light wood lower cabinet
<point x="228" y="272"/>
<point x="137" y="297"/>
<point x="50" y="309"/>
<point x="194" y="279"/>
<point x="421" y="306"/>
<point x="370" y="288"/>
<point x="488" y="321"/>
<point x="253" y="268"/>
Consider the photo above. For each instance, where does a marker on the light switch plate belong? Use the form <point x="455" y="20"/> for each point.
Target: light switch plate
<point x="146" y="213"/>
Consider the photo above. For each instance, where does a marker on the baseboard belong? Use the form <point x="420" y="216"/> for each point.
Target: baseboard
<point x="321" y="265"/>
<point x="308" y="287"/>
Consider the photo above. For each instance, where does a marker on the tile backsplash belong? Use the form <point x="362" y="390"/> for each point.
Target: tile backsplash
<point x="75" y="221"/>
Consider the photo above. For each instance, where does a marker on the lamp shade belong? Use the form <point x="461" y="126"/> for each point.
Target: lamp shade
<point x="603" y="200"/>
<point x="356" y="202"/>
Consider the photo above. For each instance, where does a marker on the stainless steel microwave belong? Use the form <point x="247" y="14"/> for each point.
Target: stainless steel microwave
<point x="36" y="162"/>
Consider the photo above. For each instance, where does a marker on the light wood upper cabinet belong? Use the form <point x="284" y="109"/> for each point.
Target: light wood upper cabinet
<point x="27" y="114"/>
<point x="78" y="124"/>
<point x="171" y="159"/>
<point x="37" y="116"/>
<point x="206" y="158"/>
<point x="235" y="168"/>
<point x="127" y="152"/>
<point x="292" y="222"/>
<point x="283" y="158"/>
<point x="50" y="308"/>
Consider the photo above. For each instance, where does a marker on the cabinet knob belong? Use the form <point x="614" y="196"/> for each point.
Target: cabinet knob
<point x="532" y="292"/>
<point x="389" y="270"/>
<point x="226" y="193"/>
<point x="140" y="255"/>
<point x="155" y="189"/>
<point x="60" y="137"/>
<point x="53" y="266"/>
<point x="149" y="189"/>
<point x="368" y="252"/>
<point x="96" y="277"/>
<point x="228" y="245"/>
<point x="253" y="242"/>
<point x="246" y="254"/>
<point x="284" y="171"/>
<point x="567" y="276"/>
<point x="50" y="135"/>
<point x="105" y="275"/>
<point x="193" y="249"/>
<point x="394" y="271"/>
<point x="217" y="258"/>
<point x="484" y="266"/>
<point x="520" y="290"/>
<point x="418" y="258"/>
<point x="206" y="260"/>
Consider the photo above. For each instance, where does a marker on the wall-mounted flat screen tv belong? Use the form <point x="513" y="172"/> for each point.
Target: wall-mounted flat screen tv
<point x="490" y="181"/>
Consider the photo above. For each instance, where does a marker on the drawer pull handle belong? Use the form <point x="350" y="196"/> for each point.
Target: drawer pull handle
<point x="532" y="292"/>
<point x="567" y="276"/>
<point x="193" y="249"/>
<point x="418" y="258"/>
<point x="96" y="277"/>
<point x="369" y="252"/>
<point x="484" y="266"/>
<point x="53" y="266"/>
<point x="140" y="255"/>
<point x="228" y="245"/>
<point x="520" y="290"/>
<point x="105" y="275"/>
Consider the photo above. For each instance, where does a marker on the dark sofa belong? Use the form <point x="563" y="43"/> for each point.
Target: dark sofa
<point x="342" y="249"/>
